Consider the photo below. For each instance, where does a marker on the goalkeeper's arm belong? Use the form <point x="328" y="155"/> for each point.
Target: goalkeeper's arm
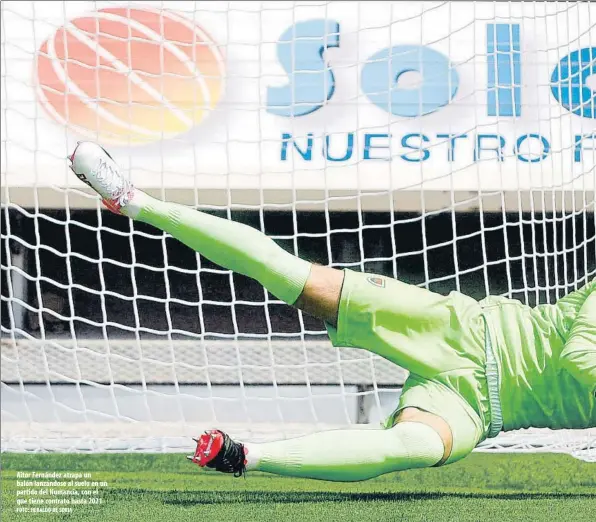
<point x="579" y="355"/>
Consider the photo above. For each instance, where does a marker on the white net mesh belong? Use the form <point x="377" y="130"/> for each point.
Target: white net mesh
<point x="461" y="159"/>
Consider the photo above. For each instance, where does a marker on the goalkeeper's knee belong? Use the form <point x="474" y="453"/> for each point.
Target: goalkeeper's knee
<point x="413" y="445"/>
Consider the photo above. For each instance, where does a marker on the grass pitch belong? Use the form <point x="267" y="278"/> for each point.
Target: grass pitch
<point x="167" y="488"/>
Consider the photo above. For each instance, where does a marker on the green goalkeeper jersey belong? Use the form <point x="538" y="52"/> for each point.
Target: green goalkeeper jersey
<point x="547" y="360"/>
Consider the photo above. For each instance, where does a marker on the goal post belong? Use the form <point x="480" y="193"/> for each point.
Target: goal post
<point x="449" y="144"/>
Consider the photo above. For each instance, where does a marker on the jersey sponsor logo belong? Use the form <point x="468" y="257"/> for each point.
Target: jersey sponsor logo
<point x="376" y="281"/>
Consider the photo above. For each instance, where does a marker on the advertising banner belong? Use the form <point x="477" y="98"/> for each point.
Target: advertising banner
<point x="302" y="96"/>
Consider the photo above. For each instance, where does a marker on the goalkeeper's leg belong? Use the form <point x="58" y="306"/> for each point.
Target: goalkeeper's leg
<point x="417" y="440"/>
<point x="338" y="455"/>
<point x="233" y="245"/>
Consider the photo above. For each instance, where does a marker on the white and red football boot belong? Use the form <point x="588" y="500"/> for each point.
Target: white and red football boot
<point x="216" y="450"/>
<point x="94" y="166"/>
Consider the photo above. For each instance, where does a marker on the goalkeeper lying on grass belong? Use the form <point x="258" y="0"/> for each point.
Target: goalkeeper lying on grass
<point x="476" y="368"/>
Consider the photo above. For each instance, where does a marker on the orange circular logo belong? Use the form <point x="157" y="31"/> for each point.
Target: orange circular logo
<point x="129" y="75"/>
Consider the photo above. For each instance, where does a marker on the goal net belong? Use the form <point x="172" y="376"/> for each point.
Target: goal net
<point x="449" y="144"/>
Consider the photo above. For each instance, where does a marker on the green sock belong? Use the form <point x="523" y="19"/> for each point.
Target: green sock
<point x="232" y="245"/>
<point x="349" y="455"/>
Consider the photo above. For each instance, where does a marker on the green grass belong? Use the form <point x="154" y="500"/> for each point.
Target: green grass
<point x="167" y="488"/>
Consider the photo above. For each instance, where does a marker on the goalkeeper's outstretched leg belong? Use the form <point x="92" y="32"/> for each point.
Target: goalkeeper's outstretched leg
<point x="418" y="439"/>
<point x="417" y="436"/>
<point x="238" y="247"/>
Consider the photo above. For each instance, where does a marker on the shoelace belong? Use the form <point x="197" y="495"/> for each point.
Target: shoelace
<point x="116" y="186"/>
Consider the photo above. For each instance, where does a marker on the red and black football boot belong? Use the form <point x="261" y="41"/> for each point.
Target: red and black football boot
<point x="216" y="450"/>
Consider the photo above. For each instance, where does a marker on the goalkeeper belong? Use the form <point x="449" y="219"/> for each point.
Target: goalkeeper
<point x="476" y="368"/>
